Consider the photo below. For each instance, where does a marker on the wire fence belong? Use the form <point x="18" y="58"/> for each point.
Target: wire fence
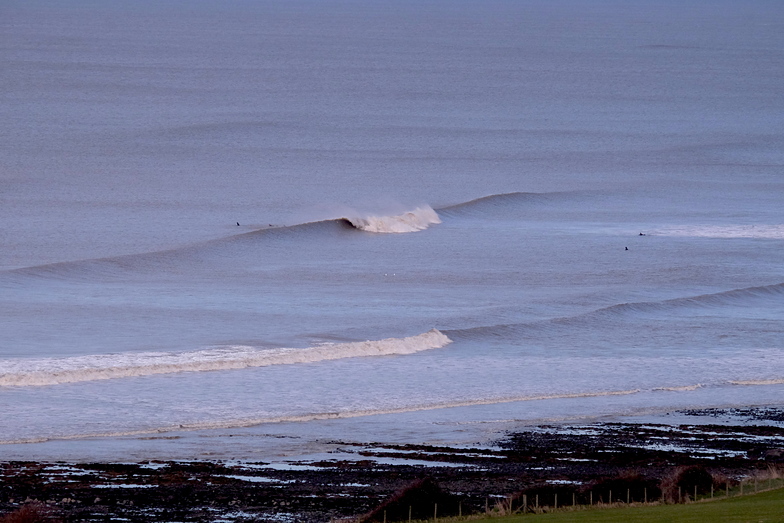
<point x="523" y="504"/>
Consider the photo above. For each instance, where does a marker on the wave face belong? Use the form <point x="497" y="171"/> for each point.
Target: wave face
<point x="417" y="220"/>
<point x="735" y="297"/>
<point x="256" y="244"/>
<point x="264" y="241"/>
<point x="509" y="205"/>
<point x="53" y="371"/>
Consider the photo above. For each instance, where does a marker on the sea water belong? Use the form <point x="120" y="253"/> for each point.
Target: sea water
<point x="239" y="229"/>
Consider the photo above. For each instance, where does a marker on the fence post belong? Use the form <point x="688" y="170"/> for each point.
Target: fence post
<point x="556" y="501"/>
<point x="385" y="516"/>
<point x="591" y="498"/>
<point x="409" y="514"/>
<point x="646" y="494"/>
<point x="525" y="502"/>
<point x="574" y="499"/>
<point x="609" y="499"/>
<point x="627" y="495"/>
<point x="435" y="512"/>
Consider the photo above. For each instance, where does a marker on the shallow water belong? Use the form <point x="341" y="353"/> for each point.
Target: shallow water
<point x="226" y="221"/>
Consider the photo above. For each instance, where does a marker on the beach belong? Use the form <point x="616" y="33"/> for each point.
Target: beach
<point x="580" y="464"/>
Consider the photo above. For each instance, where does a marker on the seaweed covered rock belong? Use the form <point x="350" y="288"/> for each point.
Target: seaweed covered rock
<point x="31" y="513"/>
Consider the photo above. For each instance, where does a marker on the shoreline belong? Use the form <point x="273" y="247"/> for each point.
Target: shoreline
<point x="354" y="477"/>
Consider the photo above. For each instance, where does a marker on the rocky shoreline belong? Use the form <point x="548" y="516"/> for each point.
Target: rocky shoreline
<point x="632" y="459"/>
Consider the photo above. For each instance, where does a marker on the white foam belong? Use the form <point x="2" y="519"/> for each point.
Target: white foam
<point x="684" y="388"/>
<point x="261" y="479"/>
<point x="123" y="485"/>
<point x="251" y="422"/>
<point x="763" y="231"/>
<point x="412" y="221"/>
<point x="772" y="381"/>
<point x="53" y="371"/>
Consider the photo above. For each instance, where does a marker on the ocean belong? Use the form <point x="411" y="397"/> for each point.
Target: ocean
<point x="247" y="229"/>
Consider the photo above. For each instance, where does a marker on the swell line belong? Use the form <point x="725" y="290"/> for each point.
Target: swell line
<point x="413" y="220"/>
<point x="513" y="198"/>
<point x="200" y="254"/>
<point x="730" y="297"/>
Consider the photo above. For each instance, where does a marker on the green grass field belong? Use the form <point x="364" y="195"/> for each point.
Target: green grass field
<point x="765" y="507"/>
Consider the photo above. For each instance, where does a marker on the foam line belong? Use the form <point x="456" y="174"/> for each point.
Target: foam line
<point x="301" y="418"/>
<point x="772" y="381"/>
<point x="53" y="371"/>
<point x="251" y="422"/>
<point x="685" y="388"/>
<point x="759" y="231"/>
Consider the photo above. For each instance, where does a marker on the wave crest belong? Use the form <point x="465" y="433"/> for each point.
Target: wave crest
<point x="419" y="219"/>
<point x="54" y="371"/>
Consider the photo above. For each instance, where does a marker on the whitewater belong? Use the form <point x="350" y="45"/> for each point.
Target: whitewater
<point x="29" y="372"/>
<point x="244" y="231"/>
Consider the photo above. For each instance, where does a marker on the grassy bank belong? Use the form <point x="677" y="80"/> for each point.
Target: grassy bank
<point x="767" y="507"/>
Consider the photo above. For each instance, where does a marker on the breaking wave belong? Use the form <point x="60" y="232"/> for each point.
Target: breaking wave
<point x="53" y="371"/>
<point x="202" y="255"/>
<point x="419" y="219"/>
